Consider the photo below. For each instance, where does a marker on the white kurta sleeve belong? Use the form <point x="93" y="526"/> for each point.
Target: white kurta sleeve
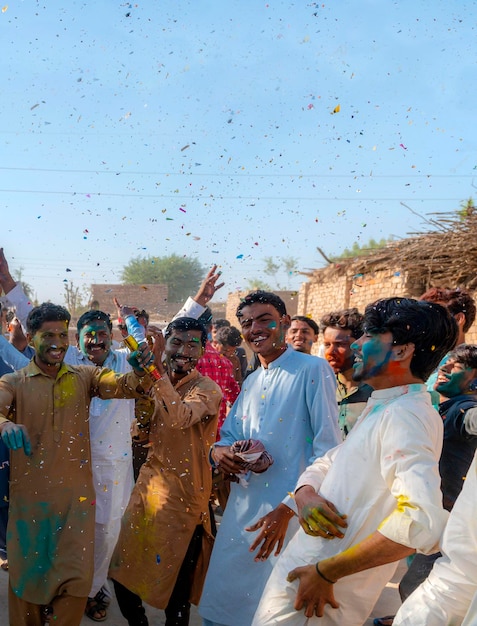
<point x="410" y="450"/>
<point x="190" y="309"/>
<point x="18" y="299"/>
<point x="12" y="357"/>
<point x="449" y="592"/>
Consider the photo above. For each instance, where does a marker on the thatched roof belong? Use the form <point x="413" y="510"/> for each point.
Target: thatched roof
<point x="444" y="256"/>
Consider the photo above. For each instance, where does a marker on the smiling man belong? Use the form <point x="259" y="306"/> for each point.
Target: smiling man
<point x="111" y="452"/>
<point x="166" y="528"/>
<point x="375" y="498"/>
<point x="456" y="381"/>
<point x="289" y="405"/>
<point x="302" y="333"/>
<point x="340" y="330"/>
<point x="44" y="409"/>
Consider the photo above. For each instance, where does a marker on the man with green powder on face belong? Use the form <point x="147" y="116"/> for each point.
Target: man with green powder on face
<point x="44" y="409"/>
<point x="457" y="384"/>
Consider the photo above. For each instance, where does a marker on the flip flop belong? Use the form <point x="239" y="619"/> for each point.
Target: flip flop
<point x="95" y="610"/>
<point x="384" y="621"/>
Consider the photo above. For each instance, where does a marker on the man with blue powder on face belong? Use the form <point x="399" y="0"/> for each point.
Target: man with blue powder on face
<point x="375" y="498"/>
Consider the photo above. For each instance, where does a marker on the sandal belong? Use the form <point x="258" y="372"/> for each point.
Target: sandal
<point x="103" y="598"/>
<point x="47" y="612"/>
<point x="95" y="610"/>
<point x="384" y="621"/>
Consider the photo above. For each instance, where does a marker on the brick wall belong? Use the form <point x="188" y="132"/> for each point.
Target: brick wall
<point x="324" y="293"/>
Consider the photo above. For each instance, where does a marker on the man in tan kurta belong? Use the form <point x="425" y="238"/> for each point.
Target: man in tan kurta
<point x="44" y="409"/>
<point x="165" y="531"/>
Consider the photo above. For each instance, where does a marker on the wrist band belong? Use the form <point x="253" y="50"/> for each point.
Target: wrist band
<point x="331" y="582"/>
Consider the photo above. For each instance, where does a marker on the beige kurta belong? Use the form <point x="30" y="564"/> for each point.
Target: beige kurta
<point x="172" y="491"/>
<point x="52" y="501"/>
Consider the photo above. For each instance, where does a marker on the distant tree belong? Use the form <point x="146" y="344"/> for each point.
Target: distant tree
<point x="18" y="275"/>
<point x="271" y="267"/>
<point x="74" y="299"/>
<point x="290" y="267"/>
<point x="181" y="275"/>
<point x="466" y="209"/>
<point x="360" y="249"/>
<point x="255" y="283"/>
<point x="286" y="264"/>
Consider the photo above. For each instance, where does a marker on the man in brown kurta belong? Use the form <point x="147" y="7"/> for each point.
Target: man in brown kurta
<point x="165" y="531"/>
<point x="44" y="409"/>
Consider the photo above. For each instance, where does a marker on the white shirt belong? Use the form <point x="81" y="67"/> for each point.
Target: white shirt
<point x="449" y="595"/>
<point x="291" y="408"/>
<point x="385" y="477"/>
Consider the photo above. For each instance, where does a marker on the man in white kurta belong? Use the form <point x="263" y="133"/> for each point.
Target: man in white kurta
<point x="384" y="478"/>
<point x="392" y="452"/>
<point x="449" y="595"/>
<point x="111" y="453"/>
<point x="288" y="404"/>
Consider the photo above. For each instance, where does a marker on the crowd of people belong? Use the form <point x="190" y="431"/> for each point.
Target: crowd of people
<point x="118" y="457"/>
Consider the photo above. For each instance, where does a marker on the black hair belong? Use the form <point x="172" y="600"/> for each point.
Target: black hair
<point x="229" y="336"/>
<point x="183" y="324"/>
<point x="311" y="323"/>
<point x="46" y="312"/>
<point x="455" y="300"/>
<point x="221" y="323"/>
<point x="345" y="319"/>
<point x="262" y="297"/>
<point x="93" y="314"/>
<point x="466" y="354"/>
<point x="137" y="313"/>
<point x="428" y="325"/>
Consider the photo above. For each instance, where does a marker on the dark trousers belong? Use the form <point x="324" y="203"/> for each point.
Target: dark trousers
<point x="417" y="573"/>
<point x="178" y="609"/>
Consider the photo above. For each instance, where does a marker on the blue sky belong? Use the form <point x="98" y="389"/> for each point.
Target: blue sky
<point x="208" y="129"/>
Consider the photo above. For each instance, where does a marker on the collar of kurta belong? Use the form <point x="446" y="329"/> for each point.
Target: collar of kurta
<point x="283" y="356"/>
<point x="190" y="376"/>
<point x="395" y="392"/>
<point x="32" y="369"/>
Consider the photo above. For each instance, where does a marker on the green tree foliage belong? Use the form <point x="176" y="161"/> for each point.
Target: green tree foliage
<point x="181" y="275"/>
<point x="18" y="275"/>
<point x="361" y="250"/>
<point x="255" y="283"/>
<point x="74" y="299"/>
<point x="467" y="208"/>
<point x="284" y="264"/>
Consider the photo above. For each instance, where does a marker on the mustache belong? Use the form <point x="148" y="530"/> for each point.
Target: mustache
<point x="180" y="356"/>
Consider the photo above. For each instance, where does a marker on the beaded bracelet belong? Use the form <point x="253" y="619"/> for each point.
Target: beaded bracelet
<point x="331" y="582"/>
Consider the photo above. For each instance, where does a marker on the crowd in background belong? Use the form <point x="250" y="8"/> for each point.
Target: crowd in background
<point x="117" y="457"/>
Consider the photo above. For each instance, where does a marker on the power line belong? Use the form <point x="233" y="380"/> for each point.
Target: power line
<point x="217" y="197"/>
<point x="235" y="175"/>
